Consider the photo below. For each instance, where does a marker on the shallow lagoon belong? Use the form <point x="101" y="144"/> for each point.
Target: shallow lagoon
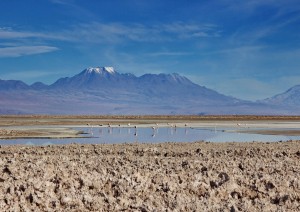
<point x="113" y="135"/>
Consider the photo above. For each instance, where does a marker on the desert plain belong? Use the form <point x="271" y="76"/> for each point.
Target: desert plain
<point x="194" y="176"/>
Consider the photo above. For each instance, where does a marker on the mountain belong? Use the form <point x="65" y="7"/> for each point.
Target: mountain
<point x="291" y="97"/>
<point x="39" y="86"/>
<point x="92" y="78"/>
<point x="149" y="88"/>
<point x="103" y="90"/>
<point x="12" y="85"/>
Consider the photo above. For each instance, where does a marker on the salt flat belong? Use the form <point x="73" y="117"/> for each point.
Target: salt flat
<point x="197" y="176"/>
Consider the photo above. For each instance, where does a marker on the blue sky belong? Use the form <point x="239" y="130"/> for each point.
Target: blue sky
<point x="247" y="49"/>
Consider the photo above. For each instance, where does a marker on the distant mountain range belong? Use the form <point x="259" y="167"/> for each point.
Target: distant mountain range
<point x="103" y="90"/>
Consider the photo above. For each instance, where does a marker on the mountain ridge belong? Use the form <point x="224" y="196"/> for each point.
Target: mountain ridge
<point x="289" y="97"/>
<point x="103" y="90"/>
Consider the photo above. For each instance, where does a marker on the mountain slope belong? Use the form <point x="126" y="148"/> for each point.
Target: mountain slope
<point x="102" y="90"/>
<point x="93" y="78"/>
<point x="175" y="87"/>
<point x="12" y="85"/>
<point x="290" y="97"/>
<point x="149" y="87"/>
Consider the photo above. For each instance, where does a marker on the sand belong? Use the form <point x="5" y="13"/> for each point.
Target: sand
<point x="197" y="176"/>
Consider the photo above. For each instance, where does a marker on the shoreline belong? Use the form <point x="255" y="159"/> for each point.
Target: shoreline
<point x="29" y="126"/>
<point x="40" y="133"/>
<point x="61" y="129"/>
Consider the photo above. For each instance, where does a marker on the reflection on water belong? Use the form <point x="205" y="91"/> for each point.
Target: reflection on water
<point x="111" y="135"/>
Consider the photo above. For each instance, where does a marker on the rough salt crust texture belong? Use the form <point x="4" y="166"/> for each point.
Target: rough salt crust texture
<point x="196" y="176"/>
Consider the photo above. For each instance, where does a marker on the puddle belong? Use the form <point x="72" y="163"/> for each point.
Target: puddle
<point x="111" y="135"/>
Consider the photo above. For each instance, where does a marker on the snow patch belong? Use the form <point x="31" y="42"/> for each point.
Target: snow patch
<point x="100" y="70"/>
<point x="110" y="69"/>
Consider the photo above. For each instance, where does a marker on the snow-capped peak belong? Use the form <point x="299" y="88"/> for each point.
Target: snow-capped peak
<point x="100" y="70"/>
<point x="109" y="69"/>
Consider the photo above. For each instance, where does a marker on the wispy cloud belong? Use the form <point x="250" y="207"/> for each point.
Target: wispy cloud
<point x="117" y="32"/>
<point x="59" y="1"/>
<point x="188" y="30"/>
<point x="251" y="6"/>
<point x="17" y="43"/>
<point x="8" y="33"/>
<point x="97" y="32"/>
<point x="236" y="50"/>
<point x="25" y="50"/>
<point x="166" y="53"/>
<point x="284" y="14"/>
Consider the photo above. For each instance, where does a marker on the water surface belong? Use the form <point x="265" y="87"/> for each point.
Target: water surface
<point x="113" y="135"/>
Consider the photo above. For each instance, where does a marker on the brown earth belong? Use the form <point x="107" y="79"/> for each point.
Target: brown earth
<point x="28" y="120"/>
<point x="197" y="176"/>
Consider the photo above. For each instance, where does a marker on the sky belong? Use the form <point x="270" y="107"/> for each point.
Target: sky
<point x="246" y="49"/>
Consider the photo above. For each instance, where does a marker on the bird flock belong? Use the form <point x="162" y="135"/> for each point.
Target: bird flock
<point x="110" y="128"/>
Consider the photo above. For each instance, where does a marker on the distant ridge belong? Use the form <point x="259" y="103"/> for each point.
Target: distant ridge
<point x="290" y="97"/>
<point x="12" y="85"/>
<point x="103" y="90"/>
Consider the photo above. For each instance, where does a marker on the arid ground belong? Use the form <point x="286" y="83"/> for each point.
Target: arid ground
<point x="197" y="176"/>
